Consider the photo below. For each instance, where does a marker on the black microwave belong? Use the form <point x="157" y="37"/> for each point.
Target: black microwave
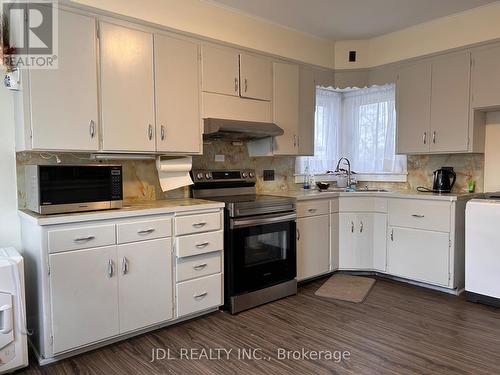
<point x="55" y="189"/>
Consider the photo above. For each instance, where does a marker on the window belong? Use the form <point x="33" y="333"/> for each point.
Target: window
<point x="359" y="124"/>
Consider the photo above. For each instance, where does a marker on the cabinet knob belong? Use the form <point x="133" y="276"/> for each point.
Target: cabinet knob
<point x="352" y="226"/>
<point x="392" y="235"/>
<point x="434" y="137"/>
<point x="361" y="227"/>
<point x="246" y="85"/>
<point x="424" y="138"/>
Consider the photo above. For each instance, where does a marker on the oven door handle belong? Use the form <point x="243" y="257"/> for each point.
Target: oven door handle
<point x="248" y="222"/>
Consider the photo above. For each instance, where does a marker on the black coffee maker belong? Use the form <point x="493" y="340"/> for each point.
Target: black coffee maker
<point x="444" y="179"/>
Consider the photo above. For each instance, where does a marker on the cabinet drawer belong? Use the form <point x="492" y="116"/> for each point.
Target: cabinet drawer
<point x="362" y="204"/>
<point x="83" y="237"/>
<point x="199" y="294"/>
<point x="420" y="214"/>
<point x="197" y="223"/>
<point x="313" y="208"/>
<point x="199" y="266"/>
<point x="199" y="244"/>
<point x="144" y="230"/>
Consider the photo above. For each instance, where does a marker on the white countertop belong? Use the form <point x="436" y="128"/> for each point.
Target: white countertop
<point x="130" y="209"/>
<point x="328" y="194"/>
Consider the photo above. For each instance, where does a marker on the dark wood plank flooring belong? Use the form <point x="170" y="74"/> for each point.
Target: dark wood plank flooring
<point x="399" y="329"/>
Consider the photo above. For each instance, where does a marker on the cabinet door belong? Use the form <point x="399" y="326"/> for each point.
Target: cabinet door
<point x="177" y="85"/>
<point x="220" y="71"/>
<point x="84" y="297"/>
<point x="127" y="89"/>
<point x="145" y="291"/>
<point x="286" y="107"/>
<point x="307" y="97"/>
<point x="256" y="76"/>
<point x="348" y="241"/>
<point x="364" y="243"/>
<point x="450" y="103"/>
<point x="64" y="100"/>
<point x="379" y="242"/>
<point x="486" y="77"/>
<point x="413" y="108"/>
<point x="313" y="251"/>
<point x="419" y="255"/>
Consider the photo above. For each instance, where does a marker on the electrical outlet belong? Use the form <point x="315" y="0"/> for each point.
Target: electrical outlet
<point x="268" y="174"/>
<point x="220" y="158"/>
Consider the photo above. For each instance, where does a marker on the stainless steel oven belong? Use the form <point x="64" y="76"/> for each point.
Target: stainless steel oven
<point x="259" y="238"/>
<point x="263" y="251"/>
<point x="53" y="189"/>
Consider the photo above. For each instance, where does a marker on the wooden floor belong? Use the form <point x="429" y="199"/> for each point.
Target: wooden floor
<point x="399" y="329"/>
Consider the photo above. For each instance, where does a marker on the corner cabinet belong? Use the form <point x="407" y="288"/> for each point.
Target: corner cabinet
<point x="127" y="89"/>
<point x="177" y="89"/>
<point x="60" y="106"/>
<point x="286" y="108"/>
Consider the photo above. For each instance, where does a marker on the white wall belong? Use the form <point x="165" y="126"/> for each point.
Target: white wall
<point x="492" y="153"/>
<point x="212" y="21"/>
<point x="470" y="27"/>
<point x="9" y="221"/>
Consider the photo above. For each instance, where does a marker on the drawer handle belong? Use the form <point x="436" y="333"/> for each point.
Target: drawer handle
<point x="82" y="239"/>
<point x="200" y="224"/>
<point x="146" y="231"/>
<point x="311" y="210"/>
<point x="201" y="245"/>
<point x="361" y="227"/>
<point x="352" y="226"/>
<point x="199" y="267"/>
<point x="392" y="235"/>
<point x="200" y="296"/>
<point x="418" y="216"/>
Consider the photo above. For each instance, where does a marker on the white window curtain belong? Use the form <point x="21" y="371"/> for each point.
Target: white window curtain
<point x="359" y="124"/>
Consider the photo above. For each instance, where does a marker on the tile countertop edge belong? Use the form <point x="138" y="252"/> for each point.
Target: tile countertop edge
<point x="135" y="210"/>
<point x="314" y="194"/>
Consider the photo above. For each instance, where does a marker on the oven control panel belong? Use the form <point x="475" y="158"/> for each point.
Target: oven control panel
<point x="243" y="175"/>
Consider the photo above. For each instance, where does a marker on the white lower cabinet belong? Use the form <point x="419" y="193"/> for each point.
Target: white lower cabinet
<point x="145" y="283"/>
<point x="313" y="248"/>
<point x="419" y="255"/>
<point x="84" y="297"/>
<point x="362" y="241"/>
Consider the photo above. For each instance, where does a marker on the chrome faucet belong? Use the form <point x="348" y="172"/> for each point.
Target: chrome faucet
<point x="348" y="169"/>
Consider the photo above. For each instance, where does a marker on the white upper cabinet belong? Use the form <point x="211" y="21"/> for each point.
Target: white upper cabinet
<point x="64" y="113"/>
<point x="220" y="70"/>
<point x="256" y="77"/>
<point x="486" y="77"/>
<point x="450" y="103"/>
<point x="307" y="111"/>
<point x="127" y="89"/>
<point x="177" y="86"/>
<point x="413" y="108"/>
<point x="286" y="107"/>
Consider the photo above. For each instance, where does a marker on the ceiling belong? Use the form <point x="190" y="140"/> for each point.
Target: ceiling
<point x="349" y="19"/>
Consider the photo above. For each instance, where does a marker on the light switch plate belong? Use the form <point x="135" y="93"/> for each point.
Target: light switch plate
<point x="220" y="158"/>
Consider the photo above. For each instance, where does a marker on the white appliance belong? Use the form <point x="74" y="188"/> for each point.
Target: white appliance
<point x="13" y="340"/>
<point x="482" y="251"/>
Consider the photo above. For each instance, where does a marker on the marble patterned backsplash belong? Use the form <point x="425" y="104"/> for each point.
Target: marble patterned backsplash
<point x="141" y="180"/>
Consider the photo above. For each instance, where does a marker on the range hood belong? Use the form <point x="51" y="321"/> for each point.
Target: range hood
<point x="236" y="130"/>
